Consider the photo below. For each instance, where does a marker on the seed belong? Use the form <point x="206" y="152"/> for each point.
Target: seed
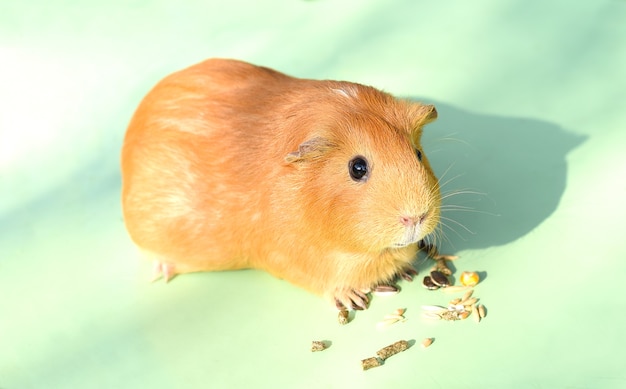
<point x="467" y="295"/>
<point x="464" y="314"/>
<point x="394" y="317"/>
<point x="429" y="284"/>
<point x="386" y="323"/>
<point x="442" y="266"/>
<point x="318" y="345"/>
<point x="481" y="311"/>
<point x="475" y="313"/>
<point x="385" y="290"/>
<point x="439" y="278"/>
<point x="427" y="342"/>
<point x="469" y="278"/>
<point x="369" y="363"/>
<point x="342" y="317"/>
<point x="399" y="311"/>
<point x="458" y="308"/>
<point x="392" y="349"/>
<point x="433" y="308"/>
<point x="471" y="301"/>
<point x="455" y="301"/>
<point x="432" y="315"/>
<point x="455" y="289"/>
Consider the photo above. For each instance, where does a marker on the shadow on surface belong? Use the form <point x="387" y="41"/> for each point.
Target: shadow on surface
<point x="513" y="171"/>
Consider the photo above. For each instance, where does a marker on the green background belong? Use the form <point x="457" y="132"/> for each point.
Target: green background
<point x="531" y="97"/>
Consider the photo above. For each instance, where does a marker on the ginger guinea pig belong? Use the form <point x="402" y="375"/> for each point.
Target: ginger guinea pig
<point x="227" y="165"/>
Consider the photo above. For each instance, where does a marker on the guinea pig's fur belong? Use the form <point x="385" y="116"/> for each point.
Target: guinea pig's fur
<point x="227" y="165"/>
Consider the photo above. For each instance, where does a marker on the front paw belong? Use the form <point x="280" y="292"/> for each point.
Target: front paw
<point x="350" y="299"/>
<point x="407" y="273"/>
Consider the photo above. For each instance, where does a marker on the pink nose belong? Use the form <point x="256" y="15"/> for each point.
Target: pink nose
<point x="410" y="221"/>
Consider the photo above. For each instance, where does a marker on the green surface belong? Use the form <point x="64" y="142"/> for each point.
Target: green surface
<point x="531" y="97"/>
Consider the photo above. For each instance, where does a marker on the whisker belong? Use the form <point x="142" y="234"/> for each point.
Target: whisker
<point x="458" y="224"/>
<point x="461" y="191"/>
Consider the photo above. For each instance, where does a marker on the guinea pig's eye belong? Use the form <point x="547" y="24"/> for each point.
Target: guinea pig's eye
<point x="358" y="169"/>
<point x="419" y="154"/>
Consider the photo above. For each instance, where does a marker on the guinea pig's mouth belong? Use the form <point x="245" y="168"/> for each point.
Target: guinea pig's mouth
<point x="400" y="245"/>
<point x="410" y="235"/>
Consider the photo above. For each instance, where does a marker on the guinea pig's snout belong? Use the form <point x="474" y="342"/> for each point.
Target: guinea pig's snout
<point x="412" y="221"/>
<point x="413" y="228"/>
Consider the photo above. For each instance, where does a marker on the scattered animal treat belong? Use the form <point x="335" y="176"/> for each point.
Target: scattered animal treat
<point x="481" y="311"/>
<point x="440" y="260"/>
<point x="369" y="363"/>
<point x="469" y="278"/>
<point x="455" y="289"/>
<point x="442" y="267"/>
<point x="429" y="284"/>
<point x="439" y="279"/>
<point x="342" y="316"/>
<point x="465" y="297"/>
<point x="476" y="313"/>
<point x="427" y="342"/>
<point x="458" y="309"/>
<point x="318" y="345"/>
<point x="396" y="316"/>
<point x="385" y="290"/>
<point x="392" y="349"/>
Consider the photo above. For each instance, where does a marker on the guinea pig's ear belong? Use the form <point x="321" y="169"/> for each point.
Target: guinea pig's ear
<point x="312" y="149"/>
<point x="423" y="115"/>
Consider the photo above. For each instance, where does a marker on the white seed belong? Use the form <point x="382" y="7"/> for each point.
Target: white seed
<point x="455" y="289"/>
<point x="458" y="308"/>
<point x="433" y="308"/>
<point x="431" y="315"/>
<point x="475" y="313"/>
<point x="386" y="323"/>
<point x="397" y="317"/>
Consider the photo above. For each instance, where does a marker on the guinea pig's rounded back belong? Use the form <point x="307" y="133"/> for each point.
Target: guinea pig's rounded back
<point x="374" y="188"/>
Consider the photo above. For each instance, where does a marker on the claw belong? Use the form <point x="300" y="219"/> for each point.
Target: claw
<point x="408" y="274"/>
<point x="162" y="270"/>
<point x="351" y="299"/>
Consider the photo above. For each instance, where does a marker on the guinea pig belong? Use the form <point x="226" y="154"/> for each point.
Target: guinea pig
<point x="227" y="165"/>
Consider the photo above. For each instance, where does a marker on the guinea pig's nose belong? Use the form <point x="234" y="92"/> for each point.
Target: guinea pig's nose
<point x="410" y="221"/>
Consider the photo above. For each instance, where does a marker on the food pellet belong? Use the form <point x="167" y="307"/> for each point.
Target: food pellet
<point x="427" y="342"/>
<point x="318" y="345"/>
<point x="393" y="349"/>
<point x="369" y="363"/>
<point x="342" y="317"/>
